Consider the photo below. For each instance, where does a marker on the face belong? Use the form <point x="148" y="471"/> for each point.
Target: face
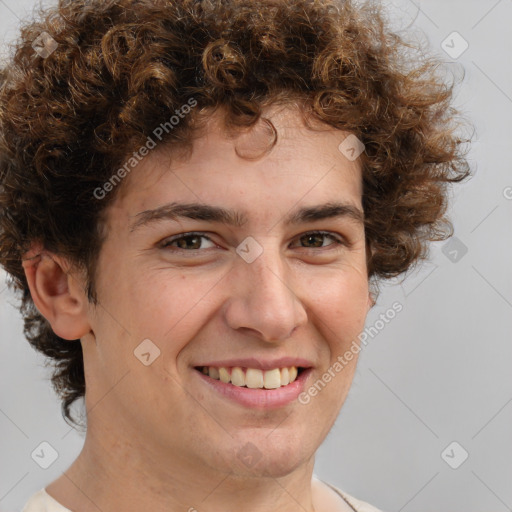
<point x="280" y="282"/>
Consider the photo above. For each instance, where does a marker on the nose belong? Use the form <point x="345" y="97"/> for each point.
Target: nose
<point x="263" y="301"/>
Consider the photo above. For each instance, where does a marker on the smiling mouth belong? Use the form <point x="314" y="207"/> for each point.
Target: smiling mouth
<point x="253" y="378"/>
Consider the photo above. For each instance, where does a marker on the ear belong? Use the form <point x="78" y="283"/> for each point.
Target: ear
<point x="57" y="294"/>
<point x="372" y="293"/>
<point x="371" y="300"/>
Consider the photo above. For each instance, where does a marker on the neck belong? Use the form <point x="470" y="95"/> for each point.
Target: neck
<point x="115" y="473"/>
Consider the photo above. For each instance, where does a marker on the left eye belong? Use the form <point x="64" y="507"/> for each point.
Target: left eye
<point x="317" y="238"/>
<point x="194" y="241"/>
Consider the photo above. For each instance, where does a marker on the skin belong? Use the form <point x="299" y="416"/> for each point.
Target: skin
<point x="158" y="438"/>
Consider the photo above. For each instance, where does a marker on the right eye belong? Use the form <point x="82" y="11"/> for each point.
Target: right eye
<point x="187" y="242"/>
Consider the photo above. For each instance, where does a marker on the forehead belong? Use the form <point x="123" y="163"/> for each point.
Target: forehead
<point x="244" y="168"/>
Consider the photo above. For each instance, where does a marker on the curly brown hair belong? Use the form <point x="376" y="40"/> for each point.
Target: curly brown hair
<point x="69" y="117"/>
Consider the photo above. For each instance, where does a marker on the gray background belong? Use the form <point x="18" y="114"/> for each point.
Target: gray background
<point x="438" y="373"/>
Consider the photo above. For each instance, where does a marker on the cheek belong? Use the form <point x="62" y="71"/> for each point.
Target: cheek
<point x="171" y="307"/>
<point x="341" y="304"/>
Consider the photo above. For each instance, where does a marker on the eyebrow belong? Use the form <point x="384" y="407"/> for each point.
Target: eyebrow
<point x="211" y="213"/>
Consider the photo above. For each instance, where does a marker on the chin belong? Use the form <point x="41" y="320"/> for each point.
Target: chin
<point x="265" y="454"/>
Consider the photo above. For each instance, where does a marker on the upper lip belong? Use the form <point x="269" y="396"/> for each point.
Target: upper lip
<point x="262" y="364"/>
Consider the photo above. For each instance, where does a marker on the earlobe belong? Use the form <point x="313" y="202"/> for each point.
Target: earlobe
<point x="371" y="300"/>
<point x="56" y="293"/>
<point x="372" y="293"/>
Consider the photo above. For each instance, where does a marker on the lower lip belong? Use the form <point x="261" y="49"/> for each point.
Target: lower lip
<point x="259" y="398"/>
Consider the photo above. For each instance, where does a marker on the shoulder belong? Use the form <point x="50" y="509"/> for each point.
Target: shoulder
<point x="357" y="505"/>
<point x="41" y="501"/>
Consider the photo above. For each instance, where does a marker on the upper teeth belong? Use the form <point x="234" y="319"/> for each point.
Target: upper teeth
<point x="253" y="377"/>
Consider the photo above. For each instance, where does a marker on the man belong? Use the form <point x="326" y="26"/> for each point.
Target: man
<point x="197" y="201"/>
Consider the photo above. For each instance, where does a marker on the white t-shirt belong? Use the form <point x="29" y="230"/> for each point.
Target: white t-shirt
<point x="41" y="501"/>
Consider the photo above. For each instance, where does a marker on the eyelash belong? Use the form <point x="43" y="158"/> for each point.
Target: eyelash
<point x="167" y="243"/>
